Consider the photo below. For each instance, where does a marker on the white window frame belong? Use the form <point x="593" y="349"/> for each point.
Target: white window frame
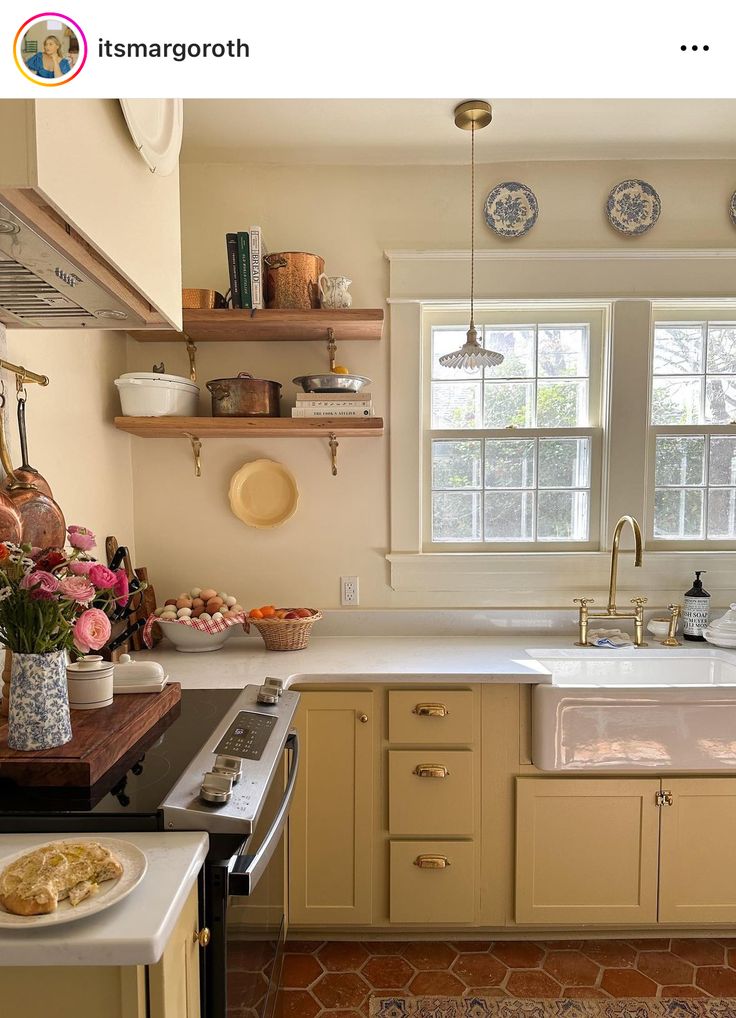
<point x="596" y="317"/>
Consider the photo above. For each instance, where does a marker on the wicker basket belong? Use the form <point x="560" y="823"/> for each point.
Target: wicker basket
<point x="286" y="634"/>
<point x="208" y="299"/>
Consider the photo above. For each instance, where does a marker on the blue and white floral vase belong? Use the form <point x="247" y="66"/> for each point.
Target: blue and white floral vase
<point x="39" y="702"/>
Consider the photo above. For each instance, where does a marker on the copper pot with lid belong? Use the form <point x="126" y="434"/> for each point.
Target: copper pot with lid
<point x="245" y="396"/>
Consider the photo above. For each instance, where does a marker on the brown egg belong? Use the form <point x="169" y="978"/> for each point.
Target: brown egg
<point x="197" y="602"/>
<point x="208" y="593"/>
<point x="172" y="600"/>
<point x="214" y="604"/>
<point x="184" y="602"/>
<point x="196" y="612"/>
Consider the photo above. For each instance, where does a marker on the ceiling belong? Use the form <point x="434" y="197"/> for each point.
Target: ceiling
<point x="400" y="131"/>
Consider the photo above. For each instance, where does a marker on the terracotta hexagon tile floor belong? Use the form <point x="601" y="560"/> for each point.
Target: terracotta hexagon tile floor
<point x="337" y="979"/>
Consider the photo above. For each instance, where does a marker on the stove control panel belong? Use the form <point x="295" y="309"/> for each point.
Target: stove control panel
<point x="247" y="736"/>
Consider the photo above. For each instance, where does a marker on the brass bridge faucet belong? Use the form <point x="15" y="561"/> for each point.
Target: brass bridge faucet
<point x="612" y="612"/>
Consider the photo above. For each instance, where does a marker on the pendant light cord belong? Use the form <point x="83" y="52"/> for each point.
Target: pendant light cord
<point x="472" y="224"/>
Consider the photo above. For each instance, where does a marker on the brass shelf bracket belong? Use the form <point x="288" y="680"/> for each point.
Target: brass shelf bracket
<point x="192" y="351"/>
<point x="24" y="374"/>
<point x="331" y="348"/>
<point x="334" y="445"/>
<point x="196" y="452"/>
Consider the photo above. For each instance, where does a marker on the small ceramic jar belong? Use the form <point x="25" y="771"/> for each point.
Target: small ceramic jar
<point x="659" y="628"/>
<point x="90" y="683"/>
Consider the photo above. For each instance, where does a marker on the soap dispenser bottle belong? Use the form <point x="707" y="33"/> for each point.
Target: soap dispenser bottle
<point x="697" y="608"/>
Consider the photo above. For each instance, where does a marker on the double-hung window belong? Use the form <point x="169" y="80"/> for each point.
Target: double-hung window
<point x="513" y="453"/>
<point x="692" y="448"/>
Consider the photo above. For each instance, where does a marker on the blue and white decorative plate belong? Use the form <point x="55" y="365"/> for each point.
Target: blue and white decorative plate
<point x="633" y="207"/>
<point x="511" y="209"/>
<point x="732" y="208"/>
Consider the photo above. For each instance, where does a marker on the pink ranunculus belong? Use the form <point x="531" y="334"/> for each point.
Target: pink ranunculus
<point x="77" y="588"/>
<point x="80" y="567"/>
<point x="91" y="630"/>
<point x="121" y="590"/>
<point x="81" y="538"/>
<point x="102" y="577"/>
<point x="43" y="586"/>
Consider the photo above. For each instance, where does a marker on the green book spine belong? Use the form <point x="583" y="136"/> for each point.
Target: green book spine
<point x="246" y="298"/>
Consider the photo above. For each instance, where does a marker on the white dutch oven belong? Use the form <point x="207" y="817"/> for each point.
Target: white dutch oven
<point x="152" y="394"/>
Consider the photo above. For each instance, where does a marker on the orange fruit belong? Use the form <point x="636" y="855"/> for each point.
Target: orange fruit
<point x="255" y="613"/>
<point x="267" y="611"/>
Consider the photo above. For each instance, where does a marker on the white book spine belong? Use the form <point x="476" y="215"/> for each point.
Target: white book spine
<point x="338" y="412"/>
<point x="256" y="279"/>
<point x="363" y="404"/>
<point x="333" y="397"/>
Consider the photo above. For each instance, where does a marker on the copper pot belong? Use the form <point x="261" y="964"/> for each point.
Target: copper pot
<point x="245" y="396"/>
<point x="292" y="280"/>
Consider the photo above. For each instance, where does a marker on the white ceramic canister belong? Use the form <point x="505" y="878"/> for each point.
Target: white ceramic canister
<point x="90" y="683"/>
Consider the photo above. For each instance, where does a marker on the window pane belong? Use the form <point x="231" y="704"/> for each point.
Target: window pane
<point x="564" y="462"/>
<point x="720" y="400"/>
<point x="510" y="463"/>
<point x="722" y="513"/>
<point x="562" y="352"/>
<point x="678" y="350"/>
<point x="456" y="516"/>
<point x="445" y="341"/>
<point x="455" y="404"/>
<point x="676" y="401"/>
<point x="722" y="350"/>
<point x="509" y="516"/>
<point x="517" y="347"/>
<point x="678" y="513"/>
<point x="722" y="465"/>
<point x="562" y="516"/>
<point x="562" y="404"/>
<point x="456" y="464"/>
<point x="679" y="460"/>
<point x="508" y="403"/>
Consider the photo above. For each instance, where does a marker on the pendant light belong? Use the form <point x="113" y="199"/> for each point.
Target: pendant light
<point x="472" y="116"/>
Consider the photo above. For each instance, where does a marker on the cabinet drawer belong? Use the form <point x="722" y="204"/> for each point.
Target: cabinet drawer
<point x="430" y="792"/>
<point x="430" y="894"/>
<point x="431" y="717"/>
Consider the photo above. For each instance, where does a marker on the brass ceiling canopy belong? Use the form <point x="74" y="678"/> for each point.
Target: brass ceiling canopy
<point x="472" y="115"/>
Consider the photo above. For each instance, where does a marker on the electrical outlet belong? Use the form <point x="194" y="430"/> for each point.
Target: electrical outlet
<point x="349" y="591"/>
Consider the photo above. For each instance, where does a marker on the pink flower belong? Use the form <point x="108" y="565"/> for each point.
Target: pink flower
<point x="80" y="568"/>
<point x="43" y="586"/>
<point x="91" y="630"/>
<point x="102" y="577"/>
<point x="77" y="588"/>
<point x="121" y="588"/>
<point x="81" y="538"/>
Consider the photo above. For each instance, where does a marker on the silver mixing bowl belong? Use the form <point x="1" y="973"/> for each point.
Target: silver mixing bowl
<point x="331" y="383"/>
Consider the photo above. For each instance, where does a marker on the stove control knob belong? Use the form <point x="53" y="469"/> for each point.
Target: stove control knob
<point x="270" y="691"/>
<point x="228" y="765"/>
<point x="216" y="788"/>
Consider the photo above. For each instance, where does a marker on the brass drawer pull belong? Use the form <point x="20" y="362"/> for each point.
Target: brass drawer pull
<point x="431" y="710"/>
<point x="431" y="771"/>
<point x="363" y="718"/>
<point x="432" y="862"/>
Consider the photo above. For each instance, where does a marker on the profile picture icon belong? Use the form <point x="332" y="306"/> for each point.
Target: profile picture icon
<point x="50" y="49"/>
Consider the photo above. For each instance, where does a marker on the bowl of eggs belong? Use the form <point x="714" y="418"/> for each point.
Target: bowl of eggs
<point x="184" y="619"/>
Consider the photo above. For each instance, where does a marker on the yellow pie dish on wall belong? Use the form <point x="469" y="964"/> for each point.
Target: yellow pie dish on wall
<point x="263" y="494"/>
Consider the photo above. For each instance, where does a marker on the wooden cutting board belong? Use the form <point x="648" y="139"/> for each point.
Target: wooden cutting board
<point x="100" y="738"/>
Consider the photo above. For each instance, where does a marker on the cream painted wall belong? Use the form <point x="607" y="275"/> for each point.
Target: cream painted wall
<point x="84" y="459"/>
<point x="350" y="215"/>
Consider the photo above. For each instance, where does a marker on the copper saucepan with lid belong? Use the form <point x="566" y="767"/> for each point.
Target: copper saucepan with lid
<point x="245" y="396"/>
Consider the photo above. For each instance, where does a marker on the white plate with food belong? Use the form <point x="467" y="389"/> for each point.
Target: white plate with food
<point x="38" y="885"/>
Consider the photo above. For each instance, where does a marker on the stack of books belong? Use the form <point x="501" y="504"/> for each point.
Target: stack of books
<point x="245" y="253"/>
<point x="333" y="404"/>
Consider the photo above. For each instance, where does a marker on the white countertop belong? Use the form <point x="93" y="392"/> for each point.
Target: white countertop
<point x="132" y="932"/>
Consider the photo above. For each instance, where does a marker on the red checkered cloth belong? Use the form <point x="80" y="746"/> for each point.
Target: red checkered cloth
<point x="202" y="625"/>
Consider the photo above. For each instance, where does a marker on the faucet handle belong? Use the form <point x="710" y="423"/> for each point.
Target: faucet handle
<point x="675" y="609"/>
<point x="639" y="601"/>
<point x="583" y="601"/>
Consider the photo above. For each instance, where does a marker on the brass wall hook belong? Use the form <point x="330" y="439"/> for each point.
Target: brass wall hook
<point x="334" y="445"/>
<point x="197" y="453"/>
<point x="192" y="351"/>
<point x="331" y="348"/>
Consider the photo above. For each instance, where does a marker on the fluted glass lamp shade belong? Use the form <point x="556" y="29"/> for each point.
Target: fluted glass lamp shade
<point x="471" y="355"/>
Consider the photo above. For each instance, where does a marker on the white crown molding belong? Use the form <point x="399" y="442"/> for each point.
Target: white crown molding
<point x="559" y="254"/>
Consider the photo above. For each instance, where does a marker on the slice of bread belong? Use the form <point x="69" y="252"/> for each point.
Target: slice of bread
<point x="36" y="882"/>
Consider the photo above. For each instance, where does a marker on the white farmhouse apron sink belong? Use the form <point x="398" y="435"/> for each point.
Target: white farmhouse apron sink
<point x="635" y="710"/>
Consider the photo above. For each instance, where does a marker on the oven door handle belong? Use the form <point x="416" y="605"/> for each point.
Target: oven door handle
<point x="246" y="870"/>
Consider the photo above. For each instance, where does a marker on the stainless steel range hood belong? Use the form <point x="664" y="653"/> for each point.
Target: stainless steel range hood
<point x="41" y="287"/>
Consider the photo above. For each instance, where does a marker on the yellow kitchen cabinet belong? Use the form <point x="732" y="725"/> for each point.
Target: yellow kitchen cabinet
<point x="431" y="792"/>
<point x="113" y="991"/>
<point x="587" y="850"/>
<point x="696" y="868"/>
<point x="432" y="882"/>
<point x="331" y="832"/>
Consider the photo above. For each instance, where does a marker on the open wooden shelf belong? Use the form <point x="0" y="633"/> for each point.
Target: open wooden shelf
<point x="228" y="325"/>
<point x="244" y="427"/>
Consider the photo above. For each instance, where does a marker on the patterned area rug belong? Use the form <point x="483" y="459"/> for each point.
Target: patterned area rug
<point x="495" y="1007"/>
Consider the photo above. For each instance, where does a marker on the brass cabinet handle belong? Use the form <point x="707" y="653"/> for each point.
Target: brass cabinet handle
<point x="202" y="937"/>
<point x="431" y="710"/>
<point x="432" y="862"/>
<point x="431" y="771"/>
<point x="363" y="718"/>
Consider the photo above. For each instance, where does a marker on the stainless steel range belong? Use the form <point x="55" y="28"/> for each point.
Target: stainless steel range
<point x="238" y="787"/>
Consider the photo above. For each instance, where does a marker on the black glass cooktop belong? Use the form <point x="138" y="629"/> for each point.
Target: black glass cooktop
<point x="136" y="786"/>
